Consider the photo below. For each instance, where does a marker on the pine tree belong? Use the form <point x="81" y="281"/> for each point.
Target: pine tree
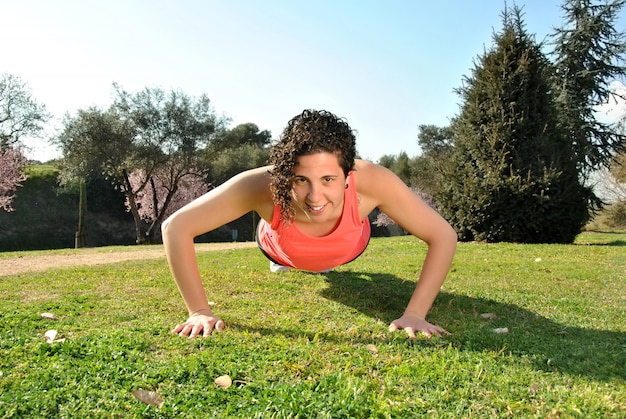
<point x="589" y="52"/>
<point x="512" y="175"/>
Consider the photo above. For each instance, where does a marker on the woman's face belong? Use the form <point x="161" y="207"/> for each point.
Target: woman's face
<point x="318" y="187"/>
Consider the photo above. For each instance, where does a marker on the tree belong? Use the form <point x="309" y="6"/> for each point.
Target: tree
<point x="232" y="161"/>
<point x="94" y="142"/>
<point x="157" y="135"/>
<point x="171" y="131"/>
<point x="618" y="165"/>
<point x="512" y="175"/>
<point x="387" y="160"/>
<point x="589" y="53"/>
<point x="12" y="163"/>
<point x="612" y="179"/>
<point x="80" y="238"/>
<point x="153" y="193"/>
<point x="436" y="144"/>
<point x="234" y="151"/>
<point x="242" y="134"/>
<point x="618" y="170"/>
<point x="20" y="114"/>
<point x="613" y="184"/>
<point x="401" y="165"/>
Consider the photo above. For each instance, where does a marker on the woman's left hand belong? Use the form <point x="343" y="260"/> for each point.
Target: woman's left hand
<point x="413" y="325"/>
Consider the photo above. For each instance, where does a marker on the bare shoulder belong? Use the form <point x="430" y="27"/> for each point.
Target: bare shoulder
<point x="381" y="188"/>
<point x="367" y="168"/>
<point x="376" y="182"/>
<point x="246" y="191"/>
<point x="257" y="179"/>
<point x="253" y="186"/>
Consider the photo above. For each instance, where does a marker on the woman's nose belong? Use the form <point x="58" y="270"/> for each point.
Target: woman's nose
<point x="313" y="193"/>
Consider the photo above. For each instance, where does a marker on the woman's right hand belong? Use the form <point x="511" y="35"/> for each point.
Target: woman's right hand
<point x="200" y="323"/>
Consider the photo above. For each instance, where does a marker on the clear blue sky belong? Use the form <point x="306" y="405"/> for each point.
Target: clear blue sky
<point x="386" y="66"/>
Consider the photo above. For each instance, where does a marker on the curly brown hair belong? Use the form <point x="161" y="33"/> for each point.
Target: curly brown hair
<point x="308" y="133"/>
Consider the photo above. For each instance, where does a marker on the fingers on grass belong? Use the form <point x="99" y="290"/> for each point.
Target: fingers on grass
<point x="197" y="329"/>
<point x="184" y="330"/>
<point x="219" y="326"/>
<point x="208" y="328"/>
<point x="409" y="331"/>
<point x="177" y="329"/>
<point x="438" y="331"/>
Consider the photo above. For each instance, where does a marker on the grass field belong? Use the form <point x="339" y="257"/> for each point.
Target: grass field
<point x="305" y="345"/>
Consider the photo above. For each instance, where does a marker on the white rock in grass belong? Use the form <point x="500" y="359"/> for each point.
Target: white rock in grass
<point x="224" y="381"/>
<point x="489" y="316"/>
<point x="501" y="330"/>
<point x="149" y="397"/>
<point x="51" y="337"/>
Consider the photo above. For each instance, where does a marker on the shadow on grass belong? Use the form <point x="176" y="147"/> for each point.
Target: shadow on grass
<point x="602" y="238"/>
<point x="616" y="243"/>
<point x="607" y="243"/>
<point x="547" y="345"/>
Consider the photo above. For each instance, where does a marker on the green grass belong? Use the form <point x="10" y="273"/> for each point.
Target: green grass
<point x="296" y="343"/>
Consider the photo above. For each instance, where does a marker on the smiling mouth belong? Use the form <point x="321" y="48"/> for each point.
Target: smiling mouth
<point x="315" y="208"/>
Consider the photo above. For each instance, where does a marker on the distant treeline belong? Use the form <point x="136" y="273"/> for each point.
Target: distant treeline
<point x="45" y="216"/>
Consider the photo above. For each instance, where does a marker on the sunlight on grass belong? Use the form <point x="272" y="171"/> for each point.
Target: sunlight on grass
<point x="305" y="345"/>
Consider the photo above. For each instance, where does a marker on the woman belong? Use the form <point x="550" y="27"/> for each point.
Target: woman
<point x="313" y="199"/>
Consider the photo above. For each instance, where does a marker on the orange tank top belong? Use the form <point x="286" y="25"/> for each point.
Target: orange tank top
<point x="288" y="246"/>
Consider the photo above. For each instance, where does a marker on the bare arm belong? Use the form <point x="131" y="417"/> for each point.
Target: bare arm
<point x="394" y="198"/>
<point x="243" y="193"/>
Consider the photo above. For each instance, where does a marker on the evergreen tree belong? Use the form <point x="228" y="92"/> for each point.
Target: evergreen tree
<point x="589" y="53"/>
<point x="512" y="176"/>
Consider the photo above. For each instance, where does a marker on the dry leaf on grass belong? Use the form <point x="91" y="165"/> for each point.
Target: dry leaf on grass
<point x="149" y="397"/>
<point x="48" y="316"/>
<point x="372" y="348"/>
<point x="50" y="335"/>
<point x="224" y="381"/>
<point x="489" y="316"/>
